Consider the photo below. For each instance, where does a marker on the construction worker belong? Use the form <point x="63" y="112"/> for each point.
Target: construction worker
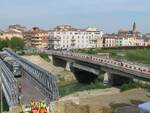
<point x="42" y="110"/>
<point x="19" y="88"/>
<point x="33" y="105"/>
<point x="47" y="109"/>
<point x="39" y="105"/>
<point x="36" y="110"/>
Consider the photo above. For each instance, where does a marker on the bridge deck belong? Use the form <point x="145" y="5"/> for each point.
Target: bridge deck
<point x="29" y="92"/>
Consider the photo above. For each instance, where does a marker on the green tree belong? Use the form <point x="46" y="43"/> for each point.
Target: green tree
<point x="3" y="43"/>
<point x="16" y="43"/>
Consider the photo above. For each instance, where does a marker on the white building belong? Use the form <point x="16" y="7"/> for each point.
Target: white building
<point x="109" y="40"/>
<point x="67" y="37"/>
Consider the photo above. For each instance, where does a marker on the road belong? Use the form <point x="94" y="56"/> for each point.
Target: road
<point x="29" y="92"/>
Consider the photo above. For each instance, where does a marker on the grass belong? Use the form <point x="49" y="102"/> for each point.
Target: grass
<point x="45" y="57"/>
<point x="42" y="55"/>
<point x="137" y="55"/>
<point x="75" y="87"/>
<point x="133" y="85"/>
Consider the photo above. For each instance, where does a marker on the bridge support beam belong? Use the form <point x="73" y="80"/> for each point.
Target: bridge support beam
<point x="83" y="76"/>
<point x="58" y="62"/>
<point x="113" y="79"/>
<point x="119" y="80"/>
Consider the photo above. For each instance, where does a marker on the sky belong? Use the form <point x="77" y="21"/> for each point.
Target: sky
<point x="107" y="15"/>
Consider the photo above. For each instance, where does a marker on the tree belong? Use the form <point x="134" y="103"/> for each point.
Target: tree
<point x="16" y="43"/>
<point x="3" y="43"/>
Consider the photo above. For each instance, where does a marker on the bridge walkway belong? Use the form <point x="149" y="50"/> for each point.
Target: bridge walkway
<point x="29" y="92"/>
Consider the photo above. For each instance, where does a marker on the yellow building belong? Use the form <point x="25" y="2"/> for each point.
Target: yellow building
<point x="10" y="34"/>
<point x="36" y="38"/>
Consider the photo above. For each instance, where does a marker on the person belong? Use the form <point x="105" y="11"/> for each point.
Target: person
<point x="47" y="109"/>
<point x="36" y="110"/>
<point x="19" y="88"/>
<point x="33" y="105"/>
<point x="19" y="99"/>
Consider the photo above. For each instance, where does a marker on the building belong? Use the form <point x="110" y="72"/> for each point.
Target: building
<point x="37" y="38"/>
<point x="67" y="37"/>
<point x="140" y="42"/>
<point x="121" y="41"/>
<point x="146" y="38"/>
<point x="99" y="42"/>
<point x="130" y="33"/>
<point x="17" y="28"/>
<point x="109" y="40"/>
<point x="10" y="34"/>
<point x="129" y="37"/>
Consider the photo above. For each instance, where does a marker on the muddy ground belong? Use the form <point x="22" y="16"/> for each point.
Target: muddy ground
<point x="124" y="102"/>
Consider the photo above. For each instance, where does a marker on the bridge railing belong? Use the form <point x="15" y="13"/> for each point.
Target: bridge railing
<point x="9" y="85"/>
<point x="44" y="80"/>
<point x="98" y="59"/>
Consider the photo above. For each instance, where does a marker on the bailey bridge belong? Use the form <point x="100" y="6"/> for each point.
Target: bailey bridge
<point x="37" y="83"/>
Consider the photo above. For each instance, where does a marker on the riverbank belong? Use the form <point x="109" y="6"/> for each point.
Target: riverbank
<point x="105" y="101"/>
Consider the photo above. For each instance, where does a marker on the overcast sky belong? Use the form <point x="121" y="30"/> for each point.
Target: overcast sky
<point x="108" y="15"/>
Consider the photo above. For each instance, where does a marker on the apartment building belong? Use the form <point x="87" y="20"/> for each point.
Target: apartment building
<point x="147" y="39"/>
<point x="37" y="38"/>
<point x="10" y="34"/>
<point x="109" y="40"/>
<point x="17" y="28"/>
<point x="67" y="37"/>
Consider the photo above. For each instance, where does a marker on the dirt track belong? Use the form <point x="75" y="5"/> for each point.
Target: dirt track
<point x="61" y="73"/>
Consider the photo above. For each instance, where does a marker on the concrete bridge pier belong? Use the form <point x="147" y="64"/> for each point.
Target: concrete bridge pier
<point x="68" y="65"/>
<point x="107" y="78"/>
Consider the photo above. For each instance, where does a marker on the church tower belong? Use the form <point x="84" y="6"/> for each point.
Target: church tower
<point x="134" y="27"/>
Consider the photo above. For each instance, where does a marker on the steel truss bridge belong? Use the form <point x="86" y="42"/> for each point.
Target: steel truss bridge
<point x="8" y="85"/>
<point x="40" y="79"/>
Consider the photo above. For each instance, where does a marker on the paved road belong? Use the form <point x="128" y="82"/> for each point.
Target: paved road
<point x="29" y="92"/>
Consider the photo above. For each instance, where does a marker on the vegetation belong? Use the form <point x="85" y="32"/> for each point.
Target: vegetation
<point x="3" y="43"/>
<point x="15" y="43"/>
<point x="5" y="105"/>
<point x="138" y="55"/>
<point x="45" y="57"/>
<point x="75" y="87"/>
<point x="133" y="85"/>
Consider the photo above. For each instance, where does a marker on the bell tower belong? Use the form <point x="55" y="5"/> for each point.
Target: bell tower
<point x="134" y="27"/>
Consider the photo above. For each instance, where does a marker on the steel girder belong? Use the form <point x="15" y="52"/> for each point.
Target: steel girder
<point x="44" y="80"/>
<point x="9" y="85"/>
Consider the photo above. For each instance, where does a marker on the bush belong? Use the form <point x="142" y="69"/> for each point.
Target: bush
<point x="45" y="57"/>
<point x="133" y="85"/>
<point x="75" y="87"/>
